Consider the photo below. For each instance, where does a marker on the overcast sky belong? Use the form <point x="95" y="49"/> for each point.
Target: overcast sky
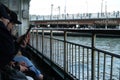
<point x="43" y="7"/>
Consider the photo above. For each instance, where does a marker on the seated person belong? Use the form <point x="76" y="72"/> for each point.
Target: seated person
<point x="20" y="58"/>
<point x="25" y="61"/>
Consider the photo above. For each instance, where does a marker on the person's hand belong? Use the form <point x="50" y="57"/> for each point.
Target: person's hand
<point x="12" y="63"/>
<point x="24" y="39"/>
<point x="23" y="68"/>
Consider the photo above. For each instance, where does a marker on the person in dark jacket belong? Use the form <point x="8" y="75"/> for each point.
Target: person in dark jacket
<point x="7" y="48"/>
<point x="23" y="60"/>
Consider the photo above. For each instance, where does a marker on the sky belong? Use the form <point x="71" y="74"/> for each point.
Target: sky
<point x="43" y="7"/>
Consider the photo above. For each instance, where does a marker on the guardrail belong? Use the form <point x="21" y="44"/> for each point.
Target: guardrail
<point x="109" y="15"/>
<point x="80" y="61"/>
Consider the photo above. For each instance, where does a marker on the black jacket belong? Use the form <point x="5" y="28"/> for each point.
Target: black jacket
<point x="7" y="46"/>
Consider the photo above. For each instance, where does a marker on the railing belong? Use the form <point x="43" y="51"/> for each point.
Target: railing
<point x="76" y="16"/>
<point x="80" y="61"/>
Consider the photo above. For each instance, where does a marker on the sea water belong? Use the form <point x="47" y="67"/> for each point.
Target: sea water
<point x="107" y="44"/>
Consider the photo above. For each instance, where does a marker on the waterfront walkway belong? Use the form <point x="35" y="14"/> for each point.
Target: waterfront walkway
<point x="71" y="61"/>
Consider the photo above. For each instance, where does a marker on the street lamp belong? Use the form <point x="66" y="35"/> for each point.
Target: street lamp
<point x="59" y="11"/>
<point x="58" y="15"/>
<point x="106" y="24"/>
<point x="65" y="10"/>
<point x="51" y="10"/>
<point x="101" y="7"/>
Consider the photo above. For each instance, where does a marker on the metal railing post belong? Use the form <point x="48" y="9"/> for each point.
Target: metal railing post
<point x="93" y="57"/>
<point x="119" y="72"/>
<point x="36" y="39"/>
<point x="32" y="36"/>
<point x="65" y="53"/>
<point x="42" y="41"/>
<point x="51" y="36"/>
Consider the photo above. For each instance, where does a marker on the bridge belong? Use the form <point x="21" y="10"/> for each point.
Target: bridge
<point x="88" y="20"/>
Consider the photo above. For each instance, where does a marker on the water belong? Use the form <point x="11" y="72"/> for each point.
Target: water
<point x="107" y="44"/>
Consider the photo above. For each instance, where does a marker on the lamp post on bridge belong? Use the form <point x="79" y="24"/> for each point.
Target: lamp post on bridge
<point x="65" y="9"/>
<point x="58" y="11"/>
<point x="51" y="11"/>
<point x="106" y="22"/>
<point x="58" y="16"/>
<point x="101" y="7"/>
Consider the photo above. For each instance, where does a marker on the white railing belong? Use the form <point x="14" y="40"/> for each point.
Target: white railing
<point x="76" y="16"/>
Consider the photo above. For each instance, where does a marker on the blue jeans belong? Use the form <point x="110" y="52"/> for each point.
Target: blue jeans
<point x="22" y="58"/>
